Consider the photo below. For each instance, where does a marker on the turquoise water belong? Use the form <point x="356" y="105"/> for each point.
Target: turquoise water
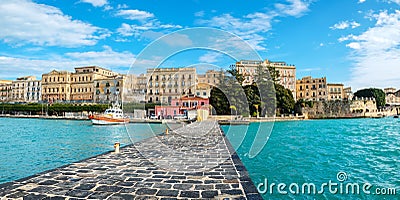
<point x="367" y="150"/>
<point x="29" y="146"/>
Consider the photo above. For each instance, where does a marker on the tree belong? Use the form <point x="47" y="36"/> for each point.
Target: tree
<point x="376" y="93"/>
<point x="284" y="99"/>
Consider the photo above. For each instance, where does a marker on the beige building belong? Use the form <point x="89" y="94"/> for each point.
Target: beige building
<point x="287" y="73"/>
<point x="205" y="82"/>
<point x="56" y="86"/>
<point x="5" y="90"/>
<point x="82" y="82"/>
<point x="312" y="89"/>
<point x="363" y="105"/>
<point x="392" y="96"/>
<point x="134" y="89"/>
<point x="108" y="90"/>
<point x="348" y="93"/>
<point x="335" y="91"/>
<point x="165" y="84"/>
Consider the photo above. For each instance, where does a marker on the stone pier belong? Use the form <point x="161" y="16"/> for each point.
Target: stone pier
<point x="192" y="162"/>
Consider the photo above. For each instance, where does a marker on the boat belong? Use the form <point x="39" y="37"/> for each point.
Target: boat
<point x="396" y="116"/>
<point x="112" y="116"/>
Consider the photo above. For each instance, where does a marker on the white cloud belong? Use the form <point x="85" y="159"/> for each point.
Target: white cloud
<point x="210" y="57"/>
<point x="96" y="3"/>
<point x="137" y="30"/>
<point x="25" y="22"/>
<point x="394" y="1"/>
<point x="251" y="26"/>
<point x="108" y="58"/>
<point x="361" y="1"/>
<point x="376" y="52"/>
<point x="345" y="24"/>
<point x="177" y="39"/>
<point x="135" y="14"/>
<point x="295" y="8"/>
<point x="199" y="14"/>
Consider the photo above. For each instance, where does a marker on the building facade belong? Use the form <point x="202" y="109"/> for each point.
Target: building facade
<point x="108" y="90"/>
<point x="348" y="93"/>
<point x="205" y="82"/>
<point x="25" y="89"/>
<point x="392" y="96"/>
<point x="287" y="73"/>
<point x="134" y="89"/>
<point x="335" y="91"/>
<point x="5" y="90"/>
<point x="82" y="82"/>
<point x="56" y="86"/>
<point x="182" y="106"/>
<point x="166" y="84"/>
<point x="312" y="89"/>
<point x="34" y="91"/>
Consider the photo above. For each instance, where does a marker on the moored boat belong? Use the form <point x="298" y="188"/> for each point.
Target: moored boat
<point x="113" y="115"/>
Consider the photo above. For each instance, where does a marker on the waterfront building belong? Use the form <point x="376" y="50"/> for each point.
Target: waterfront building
<point x="363" y="105"/>
<point x="5" y="90"/>
<point x="108" y="90"/>
<point x="82" y="82"/>
<point x="166" y="84"/>
<point x="56" y="86"/>
<point x="205" y="82"/>
<point x="34" y="91"/>
<point x="134" y="89"/>
<point x="335" y="91"/>
<point x="348" y="93"/>
<point x="392" y="96"/>
<point x="183" y="106"/>
<point x="312" y="89"/>
<point x="287" y="72"/>
<point x="25" y="89"/>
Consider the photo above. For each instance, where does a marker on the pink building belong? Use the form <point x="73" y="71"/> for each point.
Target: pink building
<point x="182" y="106"/>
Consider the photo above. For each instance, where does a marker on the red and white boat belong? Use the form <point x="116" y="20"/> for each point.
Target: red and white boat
<point x="113" y="115"/>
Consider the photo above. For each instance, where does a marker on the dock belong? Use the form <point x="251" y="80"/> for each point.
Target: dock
<point x="191" y="162"/>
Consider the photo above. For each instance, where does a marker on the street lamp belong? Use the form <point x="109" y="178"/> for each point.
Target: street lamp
<point x="256" y="105"/>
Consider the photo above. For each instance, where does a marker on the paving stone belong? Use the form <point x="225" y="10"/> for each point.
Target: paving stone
<point x="146" y="191"/>
<point x="78" y="193"/>
<point x="232" y="192"/>
<point x="190" y="194"/>
<point x="85" y="186"/>
<point x="182" y="186"/>
<point x="107" y="188"/>
<point x="209" y="194"/>
<point x="168" y="193"/>
<point x="122" y="196"/>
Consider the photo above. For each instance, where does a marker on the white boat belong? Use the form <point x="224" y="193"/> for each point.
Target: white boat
<point x="113" y="115"/>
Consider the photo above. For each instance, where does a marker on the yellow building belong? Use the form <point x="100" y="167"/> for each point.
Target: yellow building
<point x="312" y="89"/>
<point x="5" y="90"/>
<point x="108" y="90"/>
<point x="348" y="93"/>
<point x="287" y="73"/>
<point x="335" y="91"/>
<point x="165" y="84"/>
<point x="56" y="86"/>
<point x="82" y="82"/>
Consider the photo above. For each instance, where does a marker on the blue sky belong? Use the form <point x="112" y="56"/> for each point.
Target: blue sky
<point x="355" y="42"/>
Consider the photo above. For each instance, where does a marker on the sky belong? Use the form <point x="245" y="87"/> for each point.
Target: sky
<point x="355" y="42"/>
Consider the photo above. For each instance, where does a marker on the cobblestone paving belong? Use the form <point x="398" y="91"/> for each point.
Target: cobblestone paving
<point x="193" y="162"/>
